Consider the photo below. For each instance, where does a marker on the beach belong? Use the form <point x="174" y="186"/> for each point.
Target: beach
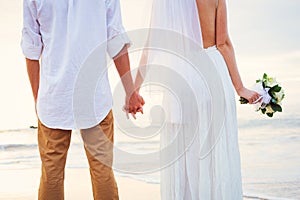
<point x="270" y="164"/>
<point x="23" y="185"/>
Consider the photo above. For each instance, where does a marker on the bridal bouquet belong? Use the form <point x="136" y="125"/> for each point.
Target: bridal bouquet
<point x="271" y="93"/>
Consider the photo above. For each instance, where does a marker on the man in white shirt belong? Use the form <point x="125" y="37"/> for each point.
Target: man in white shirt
<point x="63" y="34"/>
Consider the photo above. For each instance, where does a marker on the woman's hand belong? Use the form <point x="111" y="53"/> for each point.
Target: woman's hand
<point x="250" y="95"/>
<point x="134" y="103"/>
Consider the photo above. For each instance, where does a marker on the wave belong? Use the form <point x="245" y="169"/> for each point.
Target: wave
<point x="144" y="178"/>
<point x="290" y="123"/>
<point x="264" y="197"/>
<point x="12" y="147"/>
<point x="22" y="130"/>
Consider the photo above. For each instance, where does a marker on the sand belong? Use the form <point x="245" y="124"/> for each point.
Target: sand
<point x="23" y="184"/>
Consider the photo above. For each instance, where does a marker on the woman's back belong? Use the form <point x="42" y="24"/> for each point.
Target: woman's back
<point x="207" y="10"/>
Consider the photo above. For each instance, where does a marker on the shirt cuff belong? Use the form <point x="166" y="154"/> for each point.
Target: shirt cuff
<point x="117" y="43"/>
<point x="30" y="51"/>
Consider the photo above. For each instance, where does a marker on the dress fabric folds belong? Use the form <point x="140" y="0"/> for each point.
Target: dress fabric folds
<point x="189" y="174"/>
<point x="217" y="176"/>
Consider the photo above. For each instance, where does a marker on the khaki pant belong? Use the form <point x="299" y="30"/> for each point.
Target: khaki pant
<point x="98" y="143"/>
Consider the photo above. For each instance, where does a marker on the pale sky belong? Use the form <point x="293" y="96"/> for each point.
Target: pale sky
<point x="265" y="34"/>
<point x="271" y="26"/>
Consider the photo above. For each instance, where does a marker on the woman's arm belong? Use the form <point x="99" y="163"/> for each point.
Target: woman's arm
<point x="141" y="73"/>
<point x="224" y="45"/>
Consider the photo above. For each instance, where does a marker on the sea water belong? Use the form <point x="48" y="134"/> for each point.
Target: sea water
<point x="269" y="149"/>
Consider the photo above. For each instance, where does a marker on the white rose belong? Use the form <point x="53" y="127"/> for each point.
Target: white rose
<point x="271" y="82"/>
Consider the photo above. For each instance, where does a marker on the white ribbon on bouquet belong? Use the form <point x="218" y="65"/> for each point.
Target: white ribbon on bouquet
<point x="265" y="98"/>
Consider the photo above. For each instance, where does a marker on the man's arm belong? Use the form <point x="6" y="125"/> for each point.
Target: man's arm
<point x="117" y="44"/>
<point x="33" y="70"/>
<point x="32" y="45"/>
<point x="134" y="102"/>
<point x="122" y="64"/>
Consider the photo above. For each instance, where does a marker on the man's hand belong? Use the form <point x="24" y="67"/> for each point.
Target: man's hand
<point x="134" y="103"/>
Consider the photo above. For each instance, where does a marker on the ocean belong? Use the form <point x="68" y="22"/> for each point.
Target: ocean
<point x="270" y="150"/>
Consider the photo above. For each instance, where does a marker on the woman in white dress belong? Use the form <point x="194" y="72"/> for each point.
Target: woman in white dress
<point x="217" y="174"/>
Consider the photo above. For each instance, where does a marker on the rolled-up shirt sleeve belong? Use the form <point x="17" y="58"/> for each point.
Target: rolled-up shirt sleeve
<point x="116" y="35"/>
<point x="31" y="43"/>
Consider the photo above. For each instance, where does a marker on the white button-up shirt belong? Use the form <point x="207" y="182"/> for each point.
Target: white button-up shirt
<point x="63" y="33"/>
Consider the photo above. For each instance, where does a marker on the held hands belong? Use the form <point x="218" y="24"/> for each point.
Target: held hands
<point x="133" y="104"/>
<point x="252" y="96"/>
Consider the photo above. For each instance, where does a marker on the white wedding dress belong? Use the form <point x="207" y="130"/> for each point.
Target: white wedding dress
<point x="216" y="174"/>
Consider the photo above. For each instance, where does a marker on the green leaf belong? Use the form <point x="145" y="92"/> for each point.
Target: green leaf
<point x="243" y="100"/>
<point x="276" y="88"/>
<point x="258" y="80"/>
<point x="263" y="110"/>
<point x="270" y="114"/>
<point x="271" y="93"/>
<point x="265" y="76"/>
<point x="276" y="107"/>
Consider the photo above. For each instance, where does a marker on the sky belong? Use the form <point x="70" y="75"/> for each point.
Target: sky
<point x="265" y="26"/>
<point x="265" y="34"/>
